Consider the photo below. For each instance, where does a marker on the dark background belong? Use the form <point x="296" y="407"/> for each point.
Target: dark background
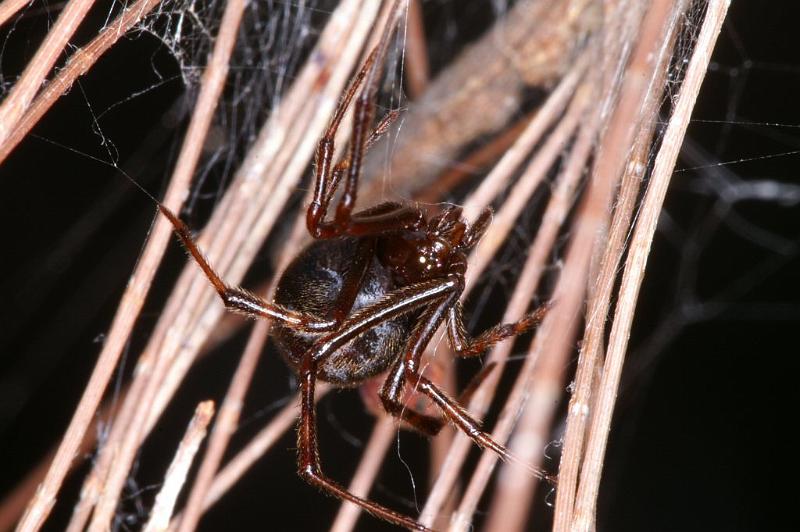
<point x="701" y="437"/>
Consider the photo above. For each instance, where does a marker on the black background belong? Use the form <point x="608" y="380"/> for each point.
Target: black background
<point x="702" y="434"/>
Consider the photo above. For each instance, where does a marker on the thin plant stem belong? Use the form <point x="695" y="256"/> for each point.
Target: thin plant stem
<point x="229" y="475"/>
<point x="379" y="441"/>
<point x="534" y="45"/>
<point x="227" y="421"/>
<point x="659" y="45"/>
<point x="26" y="87"/>
<point x="78" y="64"/>
<point x="8" y="8"/>
<point x="416" y="64"/>
<point x="633" y="273"/>
<point x="176" y="474"/>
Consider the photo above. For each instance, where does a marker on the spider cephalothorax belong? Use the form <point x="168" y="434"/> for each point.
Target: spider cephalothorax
<point x="434" y="249"/>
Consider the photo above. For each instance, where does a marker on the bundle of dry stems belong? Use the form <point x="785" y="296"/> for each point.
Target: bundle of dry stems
<point x="607" y="68"/>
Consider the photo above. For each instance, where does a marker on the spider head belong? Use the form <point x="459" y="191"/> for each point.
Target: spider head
<point x="431" y="252"/>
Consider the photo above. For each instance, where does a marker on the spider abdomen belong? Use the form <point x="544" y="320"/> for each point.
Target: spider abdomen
<point x="312" y="284"/>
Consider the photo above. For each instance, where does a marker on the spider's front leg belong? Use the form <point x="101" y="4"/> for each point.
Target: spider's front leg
<point x="408" y="371"/>
<point x="389" y="216"/>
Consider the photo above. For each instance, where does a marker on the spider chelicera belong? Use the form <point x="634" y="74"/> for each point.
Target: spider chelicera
<point x="368" y="295"/>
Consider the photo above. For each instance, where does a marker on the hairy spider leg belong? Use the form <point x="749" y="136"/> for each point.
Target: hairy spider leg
<point x="408" y="370"/>
<point x="399" y="302"/>
<point x="466" y="346"/>
<point x="243" y="301"/>
<point x="327" y="179"/>
<point x="440" y="295"/>
<point x="238" y="299"/>
<point x="391" y="392"/>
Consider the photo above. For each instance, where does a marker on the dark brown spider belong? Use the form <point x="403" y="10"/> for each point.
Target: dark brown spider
<point x="368" y="295"/>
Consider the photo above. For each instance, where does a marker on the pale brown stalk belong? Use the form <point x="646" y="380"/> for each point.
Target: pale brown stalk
<point x="243" y="374"/>
<point x="482" y="158"/>
<point x="176" y="474"/>
<point x="416" y="63"/>
<point x="8" y="8"/>
<point x="227" y="421"/>
<point x="649" y="61"/>
<point x="230" y="474"/>
<point x="26" y="87"/>
<point x="78" y="64"/>
<point x="633" y="273"/>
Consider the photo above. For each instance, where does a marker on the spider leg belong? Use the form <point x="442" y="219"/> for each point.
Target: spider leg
<point x="326" y="179"/>
<point x="344" y="165"/>
<point x="309" y="466"/>
<point x="477" y="229"/>
<point x="450" y="408"/>
<point x="238" y="299"/>
<point x="399" y="302"/>
<point x="392" y="390"/>
<point x="408" y="370"/>
<point x="453" y="411"/>
<point x="368" y="223"/>
<point x="465" y="346"/>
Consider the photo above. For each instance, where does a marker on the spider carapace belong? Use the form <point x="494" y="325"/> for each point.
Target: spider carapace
<point x="368" y="295"/>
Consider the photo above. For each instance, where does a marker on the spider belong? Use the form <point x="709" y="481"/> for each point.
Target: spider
<point x="368" y="294"/>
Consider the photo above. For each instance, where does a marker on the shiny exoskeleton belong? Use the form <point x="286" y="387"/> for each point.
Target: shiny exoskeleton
<point x="312" y="284"/>
<point x="368" y="295"/>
